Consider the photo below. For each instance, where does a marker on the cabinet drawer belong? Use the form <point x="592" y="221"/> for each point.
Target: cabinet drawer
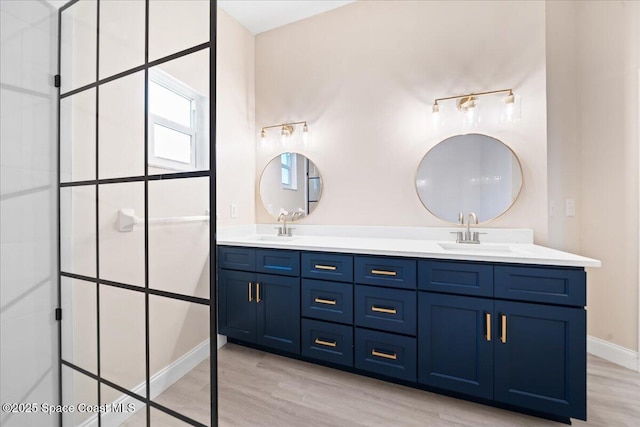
<point x="392" y="310"/>
<point x="236" y="258"/>
<point x="386" y="354"/>
<point x="327" y="266"/>
<point x="456" y="277"/>
<point x="381" y="271"/>
<point x="276" y="261"/>
<point x="542" y="284"/>
<point x="327" y="341"/>
<point x="331" y="301"/>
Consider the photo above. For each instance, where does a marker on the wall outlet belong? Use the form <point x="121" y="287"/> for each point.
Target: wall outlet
<point x="234" y="210"/>
<point x="571" y="207"/>
<point x="552" y="208"/>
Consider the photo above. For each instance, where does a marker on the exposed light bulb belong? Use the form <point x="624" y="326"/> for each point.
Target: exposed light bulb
<point x="436" y="115"/>
<point x="305" y="134"/>
<point x="511" y="110"/>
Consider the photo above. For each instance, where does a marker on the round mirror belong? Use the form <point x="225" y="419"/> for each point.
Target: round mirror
<point x="469" y="173"/>
<point x="290" y="183"/>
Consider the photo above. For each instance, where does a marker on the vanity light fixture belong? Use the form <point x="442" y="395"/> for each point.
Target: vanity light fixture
<point x="286" y="130"/>
<point x="469" y="105"/>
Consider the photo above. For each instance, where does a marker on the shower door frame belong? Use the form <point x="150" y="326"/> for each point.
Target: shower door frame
<point x="146" y="290"/>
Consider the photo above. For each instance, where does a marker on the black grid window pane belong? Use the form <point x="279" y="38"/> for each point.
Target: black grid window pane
<point x="78" y="25"/>
<point x="121" y="127"/>
<point x="80" y="392"/>
<point x="179" y="250"/>
<point x="159" y="418"/>
<point x="121" y="237"/>
<point x="121" y="36"/>
<point x="121" y="409"/>
<point x="78" y="137"/>
<point x="77" y="230"/>
<point x="189" y="23"/>
<point x="79" y="324"/>
<point x="179" y="349"/>
<point x="122" y="338"/>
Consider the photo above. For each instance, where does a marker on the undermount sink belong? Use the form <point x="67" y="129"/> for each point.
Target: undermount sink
<point x="481" y="247"/>
<point x="276" y="238"/>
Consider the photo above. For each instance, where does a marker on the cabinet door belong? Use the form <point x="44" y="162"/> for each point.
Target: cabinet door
<point x="278" y="310"/>
<point x="236" y="305"/>
<point x="455" y="343"/>
<point x="540" y="358"/>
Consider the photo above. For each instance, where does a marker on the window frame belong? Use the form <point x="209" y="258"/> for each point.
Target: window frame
<point x="291" y="169"/>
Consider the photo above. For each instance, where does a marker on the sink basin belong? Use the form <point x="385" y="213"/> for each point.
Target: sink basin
<point x="276" y="238"/>
<point x="482" y="248"/>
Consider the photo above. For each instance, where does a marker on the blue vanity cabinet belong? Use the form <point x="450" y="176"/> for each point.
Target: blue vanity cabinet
<point x="456" y="343"/>
<point x="540" y="358"/>
<point x="260" y="308"/>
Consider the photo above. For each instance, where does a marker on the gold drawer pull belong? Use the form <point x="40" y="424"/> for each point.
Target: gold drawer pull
<point x="325" y="267"/>
<point x="258" y="292"/>
<point x="250" y="299"/>
<point x="325" y="343"/>
<point x="325" y="301"/>
<point x="384" y="355"/>
<point x="384" y="272"/>
<point x="487" y="320"/>
<point x="384" y="310"/>
<point x="503" y="334"/>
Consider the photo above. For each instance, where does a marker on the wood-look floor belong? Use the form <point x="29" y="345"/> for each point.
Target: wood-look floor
<point x="262" y="389"/>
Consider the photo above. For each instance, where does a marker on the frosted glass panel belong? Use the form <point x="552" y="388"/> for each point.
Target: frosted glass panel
<point x="78" y="137"/>
<point x="121" y="252"/>
<point x="122" y="338"/>
<point x="179" y="330"/>
<point x="78" y="230"/>
<point x="121" y="127"/>
<point x="169" y="104"/>
<point x="188" y="21"/>
<point x="121" y="36"/>
<point x="78" y="389"/>
<point x="79" y="324"/>
<point x="171" y="145"/>
<point x="179" y="251"/>
<point x="78" y="45"/>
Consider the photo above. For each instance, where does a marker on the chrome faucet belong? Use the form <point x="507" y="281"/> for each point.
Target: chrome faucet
<point x="467" y="236"/>
<point x="283" y="231"/>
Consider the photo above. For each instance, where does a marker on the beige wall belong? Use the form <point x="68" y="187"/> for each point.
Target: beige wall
<point x="365" y="76"/>
<point x="235" y="117"/>
<point x="608" y="60"/>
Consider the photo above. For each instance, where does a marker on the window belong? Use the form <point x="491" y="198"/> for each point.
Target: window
<point x="288" y="168"/>
<point x="177" y="137"/>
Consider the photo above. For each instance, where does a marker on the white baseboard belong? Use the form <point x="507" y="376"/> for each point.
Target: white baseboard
<point x="613" y="353"/>
<point x="160" y="381"/>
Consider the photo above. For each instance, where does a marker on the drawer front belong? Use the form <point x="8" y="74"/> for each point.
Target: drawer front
<point x="237" y="258"/>
<point x="392" y="310"/>
<point x="455" y="277"/>
<point x="274" y="261"/>
<point x="331" y="301"/>
<point x="389" y="272"/>
<point x="323" y="266"/>
<point x="542" y="284"/>
<point x="327" y="341"/>
<point x="386" y="354"/>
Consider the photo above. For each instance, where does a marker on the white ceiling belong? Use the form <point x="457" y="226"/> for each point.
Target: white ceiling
<point x="260" y="16"/>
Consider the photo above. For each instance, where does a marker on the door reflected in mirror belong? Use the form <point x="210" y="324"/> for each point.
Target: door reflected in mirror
<point x="469" y="173"/>
<point x="290" y="183"/>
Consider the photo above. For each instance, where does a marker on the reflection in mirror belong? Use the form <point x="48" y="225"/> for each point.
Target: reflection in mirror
<point x="290" y="183"/>
<point x="469" y="173"/>
<point x="179" y="115"/>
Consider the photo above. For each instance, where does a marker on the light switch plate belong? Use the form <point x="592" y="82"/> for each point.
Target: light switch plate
<point x="571" y="207"/>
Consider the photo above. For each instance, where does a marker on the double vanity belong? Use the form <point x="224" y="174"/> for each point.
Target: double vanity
<point x="499" y="323"/>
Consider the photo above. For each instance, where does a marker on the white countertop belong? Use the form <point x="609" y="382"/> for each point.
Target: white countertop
<point x="493" y="251"/>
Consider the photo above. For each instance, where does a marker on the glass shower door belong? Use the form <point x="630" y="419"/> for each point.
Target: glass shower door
<point x="137" y="316"/>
